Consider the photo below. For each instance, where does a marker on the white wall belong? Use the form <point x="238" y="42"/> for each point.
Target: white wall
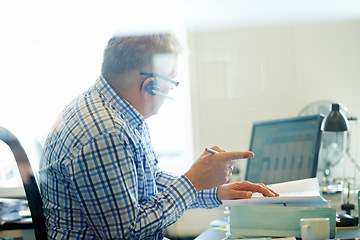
<point x="246" y="74"/>
<point x="242" y="75"/>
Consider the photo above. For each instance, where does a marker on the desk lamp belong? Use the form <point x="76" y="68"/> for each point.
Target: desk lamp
<point x="336" y="121"/>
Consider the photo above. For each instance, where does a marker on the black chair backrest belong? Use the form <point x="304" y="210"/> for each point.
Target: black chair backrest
<point x="30" y="185"/>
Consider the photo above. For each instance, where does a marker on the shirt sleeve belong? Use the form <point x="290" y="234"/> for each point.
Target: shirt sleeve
<point x="103" y="178"/>
<point x="205" y="199"/>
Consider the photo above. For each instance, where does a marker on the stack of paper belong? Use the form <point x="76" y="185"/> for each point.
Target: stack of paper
<point x="280" y="216"/>
<point x="295" y="193"/>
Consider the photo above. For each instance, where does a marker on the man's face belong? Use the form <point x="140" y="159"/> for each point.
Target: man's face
<point x="165" y="88"/>
<point x="164" y="66"/>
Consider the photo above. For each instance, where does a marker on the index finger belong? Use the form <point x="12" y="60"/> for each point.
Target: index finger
<point x="229" y="156"/>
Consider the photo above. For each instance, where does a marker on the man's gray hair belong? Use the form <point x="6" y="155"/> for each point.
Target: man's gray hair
<point x="126" y="54"/>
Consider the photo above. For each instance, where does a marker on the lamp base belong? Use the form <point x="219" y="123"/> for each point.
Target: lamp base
<point x="345" y="220"/>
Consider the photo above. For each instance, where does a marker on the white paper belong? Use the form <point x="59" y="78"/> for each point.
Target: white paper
<point x="295" y="193"/>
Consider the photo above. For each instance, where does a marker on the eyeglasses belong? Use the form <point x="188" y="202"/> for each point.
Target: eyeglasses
<point x="154" y="75"/>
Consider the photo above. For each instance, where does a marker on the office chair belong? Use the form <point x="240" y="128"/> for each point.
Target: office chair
<point x="30" y="185"/>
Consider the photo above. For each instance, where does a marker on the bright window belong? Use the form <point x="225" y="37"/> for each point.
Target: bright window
<point x="49" y="57"/>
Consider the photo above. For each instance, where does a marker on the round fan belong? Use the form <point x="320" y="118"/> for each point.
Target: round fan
<point x="318" y="107"/>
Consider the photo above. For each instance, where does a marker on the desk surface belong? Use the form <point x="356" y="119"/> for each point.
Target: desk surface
<point x="14" y="214"/>
<point x="212" y="234"/>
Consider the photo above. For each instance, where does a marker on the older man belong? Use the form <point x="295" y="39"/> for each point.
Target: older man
<point x="99" y="174"/>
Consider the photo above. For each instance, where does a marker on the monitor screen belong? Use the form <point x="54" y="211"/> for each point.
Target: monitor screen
<point x="285" y="149"/>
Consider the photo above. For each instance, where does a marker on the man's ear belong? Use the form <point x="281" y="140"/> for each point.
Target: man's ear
<point x="148" y="86"/>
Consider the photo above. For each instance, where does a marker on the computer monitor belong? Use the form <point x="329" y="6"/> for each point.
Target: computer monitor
<point x="285" y="149"/>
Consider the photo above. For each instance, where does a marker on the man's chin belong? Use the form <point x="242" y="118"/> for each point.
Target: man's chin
<point x="156" y="110"/>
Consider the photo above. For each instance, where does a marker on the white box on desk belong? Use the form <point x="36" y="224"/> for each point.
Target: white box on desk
<point x="275" y="220"/>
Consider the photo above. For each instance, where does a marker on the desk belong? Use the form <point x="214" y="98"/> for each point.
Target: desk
<point x="212" y="234"/>
<point x="19" y="228"/>
<point x="18" y="225"/>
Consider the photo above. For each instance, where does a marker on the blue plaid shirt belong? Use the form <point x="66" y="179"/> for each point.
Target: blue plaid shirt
<point x="99" y="177"/>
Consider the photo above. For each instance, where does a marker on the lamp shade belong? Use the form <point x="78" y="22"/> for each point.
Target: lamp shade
<point x="335" y="121"/>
